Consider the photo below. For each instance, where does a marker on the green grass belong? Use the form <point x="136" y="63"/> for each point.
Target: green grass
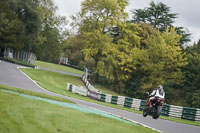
<point x="21" y="115"/>
<point x="52" y="81"/>
<point x="58" y="67"/>
<point x="22" y="91"/>
<point x="105" y="90"/>
<point x="57" y="83"/>
<point x="68" y="69"/>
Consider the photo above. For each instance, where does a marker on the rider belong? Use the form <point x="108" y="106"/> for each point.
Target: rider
<point x="158" y="92"/>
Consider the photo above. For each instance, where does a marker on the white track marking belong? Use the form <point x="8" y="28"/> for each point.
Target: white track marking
<point x="31" y="79"/>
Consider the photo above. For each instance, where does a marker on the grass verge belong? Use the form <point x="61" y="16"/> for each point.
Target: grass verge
<point x="57" y="83"/>
<point x="105" y="90"/>
<point x="21" y="91"/>
<point x="58" y="67"/>
<point x="22" y="115"/>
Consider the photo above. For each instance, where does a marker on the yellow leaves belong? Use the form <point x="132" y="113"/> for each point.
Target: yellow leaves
<point x="171" y="37"/>
<point x="107" y="11"/>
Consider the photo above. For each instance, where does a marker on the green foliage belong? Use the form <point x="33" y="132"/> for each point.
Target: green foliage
<point x="163" y="59"/>
<point x="160" y="61"/>
<point x="108" y="39"/>
<point x="32" y="25"/>
<point x="48" y="45"/>
<point x="26" y="12"/>
<point x="157" y="15"/>
<point x="20" y="23"/>
<point x="192" y="75"/>
<point x="72" y="47"/>
<point x="96" y="21"/>
<point x="11" y="28"/>
<point x="128" y="54"/>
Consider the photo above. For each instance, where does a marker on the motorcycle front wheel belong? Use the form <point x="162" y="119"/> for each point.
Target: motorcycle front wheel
<point x="144" y="113"/>
<point x="157" y="112"/>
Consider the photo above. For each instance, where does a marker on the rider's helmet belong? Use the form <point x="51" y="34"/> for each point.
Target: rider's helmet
<point x="160" y="87"/>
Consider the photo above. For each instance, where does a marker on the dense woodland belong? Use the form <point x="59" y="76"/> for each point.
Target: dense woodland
<point x="130" y="55"/>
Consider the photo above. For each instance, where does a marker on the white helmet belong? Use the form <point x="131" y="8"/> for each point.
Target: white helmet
<point x="160" y="87"/>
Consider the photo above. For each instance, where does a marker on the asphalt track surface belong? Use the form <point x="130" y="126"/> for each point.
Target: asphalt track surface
<point x="10" y="75"/>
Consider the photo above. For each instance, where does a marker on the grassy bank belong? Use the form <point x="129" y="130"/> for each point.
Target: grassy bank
<point x="22" y="115"/>
<point x="58" y="67"/>
<point x="75" y="71"/>
<point x="58" y="82"/>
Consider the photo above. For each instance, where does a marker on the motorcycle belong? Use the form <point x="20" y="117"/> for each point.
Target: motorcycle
<point x="153" y="107"/>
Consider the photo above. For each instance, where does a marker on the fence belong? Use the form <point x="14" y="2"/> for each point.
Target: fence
<point x="138" y="104"/>
<point x="20" y="55"/>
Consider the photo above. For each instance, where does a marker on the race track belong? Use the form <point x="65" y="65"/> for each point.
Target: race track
<point x="11" y="76"/>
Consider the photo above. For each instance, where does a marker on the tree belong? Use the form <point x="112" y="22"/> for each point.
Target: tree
<point x="159" y="16"/>
<point x="163" y="59"/>
<point x="192" y="75"/>
<point x="72" y="50"/>
<point x="48" y="44"/>
<point x="26" y="12"/>
<point x="95" y="20"/>
<point x="108" y="40"/>
<point x="12" y="29"/>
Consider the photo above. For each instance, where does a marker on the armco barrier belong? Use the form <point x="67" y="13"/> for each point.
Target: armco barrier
<point x="175" y="111"/>
<point x="197" y="118"/>
<point x="87" y="83"/>
<point x="94" y="95"/>
<point x="81" y="91"/>
<point x="142" y="104"/>
<point x="75" y="89"/>
<point x="108" y="98"/>
<point x="102" y="98"/>
<point x="114" y="99"/>
<point x="69" y="87"/>
<point x="138" y="104"/>
<point x="189" y="113"/>
<point x="165" y="110"/>
<point x="128" y="102"/>
<point x="120" y="100"/>
<point x="91" y="88"/>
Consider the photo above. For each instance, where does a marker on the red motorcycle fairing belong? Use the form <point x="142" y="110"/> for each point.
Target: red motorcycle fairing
<point x="148" y="102"/>
<point x="158" y="101"/>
